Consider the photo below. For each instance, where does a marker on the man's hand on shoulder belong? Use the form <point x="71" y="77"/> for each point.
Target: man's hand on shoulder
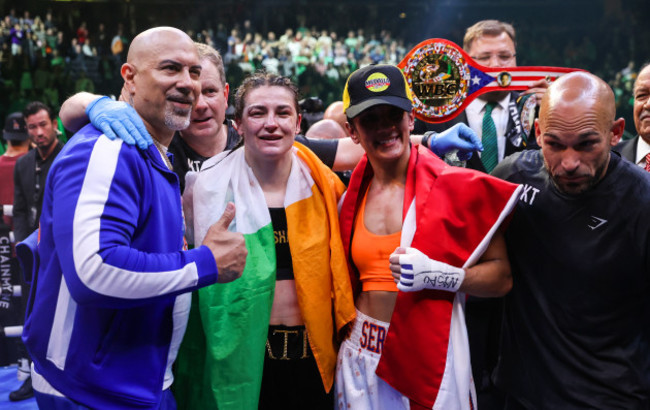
<point x="228" y="248"/>
<point x="117" y="119"/>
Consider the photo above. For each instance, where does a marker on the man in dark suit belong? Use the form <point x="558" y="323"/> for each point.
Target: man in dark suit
<point x="638" y="148"/>
<point x="29" y="182"/>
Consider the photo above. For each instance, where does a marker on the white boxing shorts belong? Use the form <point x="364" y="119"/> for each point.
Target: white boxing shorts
<point x="356" y="386"/>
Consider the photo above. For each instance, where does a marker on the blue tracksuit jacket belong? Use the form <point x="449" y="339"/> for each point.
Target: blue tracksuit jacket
<point x="104" y="307"/>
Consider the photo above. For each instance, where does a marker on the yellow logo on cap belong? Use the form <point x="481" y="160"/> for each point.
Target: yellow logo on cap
<point x="377" y="82"/>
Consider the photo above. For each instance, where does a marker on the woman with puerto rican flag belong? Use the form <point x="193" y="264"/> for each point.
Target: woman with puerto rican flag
<point x="408" y="345"/>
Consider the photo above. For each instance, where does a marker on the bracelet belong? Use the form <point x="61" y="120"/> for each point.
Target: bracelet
<point x="426" y="137"/>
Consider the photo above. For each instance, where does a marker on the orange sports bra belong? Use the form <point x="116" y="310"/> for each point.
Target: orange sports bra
<point x="370" y="254"/>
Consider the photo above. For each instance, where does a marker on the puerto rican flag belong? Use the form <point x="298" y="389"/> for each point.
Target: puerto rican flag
<point x="450" y="214"/>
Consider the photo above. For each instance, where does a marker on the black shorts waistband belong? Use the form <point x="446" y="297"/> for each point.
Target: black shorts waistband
<point x="287" y="343"/>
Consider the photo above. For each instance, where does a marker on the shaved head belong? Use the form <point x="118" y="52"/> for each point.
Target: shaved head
<point x="576" y="129"/>
<point x="326" y="129"/>
<point x="579" y="88"/>
<point x="143" y="44"/>
<point x="335" y="112"/>
<point x="161" y="80"/>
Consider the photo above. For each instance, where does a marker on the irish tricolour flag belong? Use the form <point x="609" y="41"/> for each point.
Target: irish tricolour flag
<point x="221" y="360"/>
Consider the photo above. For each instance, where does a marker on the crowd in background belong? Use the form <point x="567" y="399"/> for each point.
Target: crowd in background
<point x="41" y="61"/>
<point x="49" y="57"/>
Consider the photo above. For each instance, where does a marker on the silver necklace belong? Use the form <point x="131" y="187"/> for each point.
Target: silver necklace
<point x="163" y="153"/>
<point x="162" y="149"/>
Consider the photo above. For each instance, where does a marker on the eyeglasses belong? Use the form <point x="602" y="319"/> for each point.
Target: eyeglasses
<point x="503" y="58"/>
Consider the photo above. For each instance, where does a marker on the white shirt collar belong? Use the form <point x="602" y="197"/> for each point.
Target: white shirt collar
<point x="478" y="105"/>
<point x="642" y="149"/>
<point x="475" y="111"/>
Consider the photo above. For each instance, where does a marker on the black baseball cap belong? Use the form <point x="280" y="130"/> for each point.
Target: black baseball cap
<point x="15" y="129"/>
<point x="373" y="85"/>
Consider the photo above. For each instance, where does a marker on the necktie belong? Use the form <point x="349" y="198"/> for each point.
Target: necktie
<point x="490" y="153"/>
<point x="647" y="162"/>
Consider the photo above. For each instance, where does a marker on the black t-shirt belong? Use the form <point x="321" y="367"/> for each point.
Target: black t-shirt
<point x="186" y="159"/>
<point x="33" y="204"/>
<point x="324" y="149"/>
<point x="576" y="330"/>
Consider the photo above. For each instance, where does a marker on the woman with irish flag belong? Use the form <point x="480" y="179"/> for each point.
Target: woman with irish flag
<point x="269" y="339"/>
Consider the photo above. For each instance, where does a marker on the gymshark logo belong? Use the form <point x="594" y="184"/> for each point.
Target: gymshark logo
<point x="596" y="222"/>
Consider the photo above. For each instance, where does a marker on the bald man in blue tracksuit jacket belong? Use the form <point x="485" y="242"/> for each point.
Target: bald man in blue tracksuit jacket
<point x="110" y="302"/>
<point x="112" y="228"/>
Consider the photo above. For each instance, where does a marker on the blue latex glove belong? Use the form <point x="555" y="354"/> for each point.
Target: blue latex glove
<point x="459" y="137"/>
<point x="117" y="119"/>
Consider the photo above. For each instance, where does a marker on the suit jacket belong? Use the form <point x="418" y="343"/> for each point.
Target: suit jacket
<point x="28" y="200"/>
<point x="475" y="162"/>
<point x="627" y="148"/>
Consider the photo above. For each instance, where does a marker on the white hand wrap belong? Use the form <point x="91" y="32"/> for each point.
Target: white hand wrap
<point x="419" y="272"/>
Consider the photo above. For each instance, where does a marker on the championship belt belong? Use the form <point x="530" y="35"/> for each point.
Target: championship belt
<point x="444" y="79"/>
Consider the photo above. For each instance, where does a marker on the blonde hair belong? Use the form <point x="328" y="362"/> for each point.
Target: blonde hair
<point x="489" y="28"/>
<point x="208" y="53"/>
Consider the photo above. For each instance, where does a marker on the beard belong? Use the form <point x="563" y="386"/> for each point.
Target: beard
<point x="569" y="188"/>
<point x="177" y="119"/>
<point x="574" y="189"/>
<point x="46" y="144"/>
